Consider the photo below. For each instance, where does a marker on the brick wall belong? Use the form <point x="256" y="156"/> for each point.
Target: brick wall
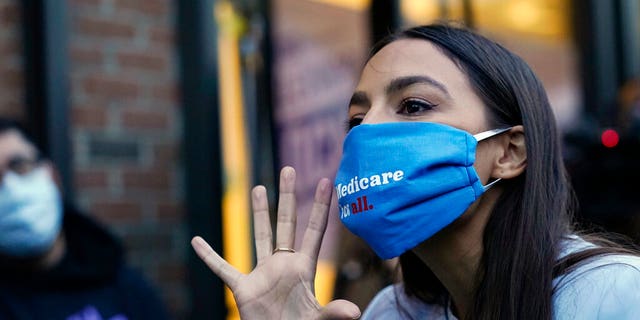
<point x="125" y="126"/>
<point x="11" y="93"/>
<point x="126" y="131"/>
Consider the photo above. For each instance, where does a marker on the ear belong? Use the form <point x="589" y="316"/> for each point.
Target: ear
<point x="513" y="158"/>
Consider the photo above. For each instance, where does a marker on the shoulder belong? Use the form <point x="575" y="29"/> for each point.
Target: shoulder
<point x="605" y="287"/>
<point x="392" y="303"/>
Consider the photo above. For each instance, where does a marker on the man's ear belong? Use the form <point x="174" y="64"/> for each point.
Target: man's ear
<point x="513" y="158"/>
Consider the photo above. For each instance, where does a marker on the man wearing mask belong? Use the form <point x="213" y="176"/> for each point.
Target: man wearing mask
<point x="56" y="263"/>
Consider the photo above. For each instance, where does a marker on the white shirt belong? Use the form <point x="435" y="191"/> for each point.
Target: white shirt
<point x="606" y="287"/>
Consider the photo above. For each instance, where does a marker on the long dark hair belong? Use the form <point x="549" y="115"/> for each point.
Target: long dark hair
<point x="523" y="236"/>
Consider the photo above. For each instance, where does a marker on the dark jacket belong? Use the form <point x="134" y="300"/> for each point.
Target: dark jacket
<point x="91" y="282"/>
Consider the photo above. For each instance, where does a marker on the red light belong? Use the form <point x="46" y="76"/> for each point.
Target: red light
<point x="610" y="138"/>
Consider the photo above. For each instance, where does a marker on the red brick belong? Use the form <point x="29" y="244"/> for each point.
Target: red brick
<point x="143" y="241"/>
<point x="162" y="35"/>
<point x="90" y="179"/>
<point x="117" y="211"/>
<point x="89" y="117"/>
<point x="165" y="155"/>
<point x="156" y="179"/>
<point x="103" y="28"/>
<point x="101" y="84"/>
<point x="169" y="211"/>
<point x="171" y="272"/>
<point x="153" y="7"/>
<point x="144" y="119"/>
<point x="144" y="60"/>
<point x="9" y="47"/>
<point x="9" y="14"/>
<point x="86" y="55"/>
<point x="85" y="2"/>
<point x="165" y="92"/>
<point x="12" y="109"/>
<point x="11" y="78"/>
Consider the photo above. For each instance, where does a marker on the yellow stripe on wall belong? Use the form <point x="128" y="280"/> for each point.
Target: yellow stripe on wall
<point x="358" y="5"/>
<point x="324" y="282"/>
<point x="236" y="154"/>
<point x="236" y="222"/>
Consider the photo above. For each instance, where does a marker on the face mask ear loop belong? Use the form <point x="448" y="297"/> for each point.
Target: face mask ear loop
<point x="485" y="135"/>
<point x="489" y="185"/>
<point x="490" y="133"/>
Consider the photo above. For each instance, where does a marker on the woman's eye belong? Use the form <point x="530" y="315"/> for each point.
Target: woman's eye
<point x="412" y="106"/>
<point x="352" y="123"/>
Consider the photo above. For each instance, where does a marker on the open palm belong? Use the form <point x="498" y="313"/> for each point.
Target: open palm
<point x="281" y="285"/>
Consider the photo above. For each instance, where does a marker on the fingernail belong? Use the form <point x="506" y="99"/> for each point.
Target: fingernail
<point x="198" y="241"/>
<point x="288" y="173"/>
<point x="258" y="192"/>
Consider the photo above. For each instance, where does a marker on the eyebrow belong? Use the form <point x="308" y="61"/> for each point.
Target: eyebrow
<point x="400" y="83"/>
<point x="360" y="98"/>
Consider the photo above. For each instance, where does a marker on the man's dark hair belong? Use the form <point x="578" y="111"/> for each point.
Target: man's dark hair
<point x="7" y="124"/>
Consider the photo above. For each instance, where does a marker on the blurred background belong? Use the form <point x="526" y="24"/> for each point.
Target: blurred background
<point x="162" y="114"/>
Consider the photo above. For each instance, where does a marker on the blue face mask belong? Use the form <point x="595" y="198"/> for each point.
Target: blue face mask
<point x="400" y="183"/>
<point x="30" y="213"/>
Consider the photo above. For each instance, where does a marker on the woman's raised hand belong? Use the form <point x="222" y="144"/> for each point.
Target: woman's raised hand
<point x="281" y="285"/>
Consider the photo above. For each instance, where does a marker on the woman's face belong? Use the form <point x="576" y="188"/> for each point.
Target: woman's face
<point x="412" y="80"/>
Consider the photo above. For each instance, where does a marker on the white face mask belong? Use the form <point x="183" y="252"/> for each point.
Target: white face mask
<point x="30" y="213"/>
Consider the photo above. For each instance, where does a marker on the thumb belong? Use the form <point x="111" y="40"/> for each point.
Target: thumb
<point x="340" y="310"/>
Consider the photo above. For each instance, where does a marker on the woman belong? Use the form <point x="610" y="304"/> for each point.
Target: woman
<point x="452" y="163"/>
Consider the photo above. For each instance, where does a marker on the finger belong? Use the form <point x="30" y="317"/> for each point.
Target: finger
<point x="340" y="309"/>
<point x="317" y="221"/>
<point x="286" y="226"/>
<point x="219" y="266"/>
<point x="261" y="223"/>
